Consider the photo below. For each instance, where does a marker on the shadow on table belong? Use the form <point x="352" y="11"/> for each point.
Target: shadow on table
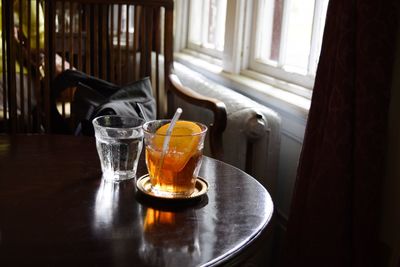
<point x="171" y="204"/>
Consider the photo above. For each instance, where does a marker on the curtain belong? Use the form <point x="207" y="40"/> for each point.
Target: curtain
<point x="335" y="206"/>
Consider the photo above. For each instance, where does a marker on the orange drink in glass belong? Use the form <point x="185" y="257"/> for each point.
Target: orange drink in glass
<point x="174" y="171"/>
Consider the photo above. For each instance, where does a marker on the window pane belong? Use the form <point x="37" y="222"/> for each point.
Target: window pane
<point x="286" y="39"/>
<point x="195" y="18"/>
<point x="298" y="37"/>
<point x="269" y="29"/>
<point x="216" y="24"/>
<point x="207" y="23"/>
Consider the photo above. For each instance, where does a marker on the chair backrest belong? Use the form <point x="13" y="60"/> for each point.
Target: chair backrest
<point x="116" y="40"/>
<point x="19" y="67"/>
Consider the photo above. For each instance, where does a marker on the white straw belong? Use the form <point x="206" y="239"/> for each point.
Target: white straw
<point x="177" y="114"/>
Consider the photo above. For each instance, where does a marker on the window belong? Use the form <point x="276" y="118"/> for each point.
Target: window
<point x="287" y="39"/>
<point x="207" y="26"/>
<point x="279" y="39"/>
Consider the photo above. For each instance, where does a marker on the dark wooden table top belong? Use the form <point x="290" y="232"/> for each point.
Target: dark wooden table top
<point x="56" y="210"/>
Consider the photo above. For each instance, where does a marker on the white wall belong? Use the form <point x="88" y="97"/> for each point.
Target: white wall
<point x="291" y="144"/>
<point x="292" y="135"/>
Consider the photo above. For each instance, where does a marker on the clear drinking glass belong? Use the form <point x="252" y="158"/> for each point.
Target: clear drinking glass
<point x="173" y="173"/>
<point x="119" y="142"/>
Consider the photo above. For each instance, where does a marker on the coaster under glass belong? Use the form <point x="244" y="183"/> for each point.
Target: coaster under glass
<point x="144" y="185"/>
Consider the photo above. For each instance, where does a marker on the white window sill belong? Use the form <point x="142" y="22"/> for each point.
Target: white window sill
<point x="282" y="100"/>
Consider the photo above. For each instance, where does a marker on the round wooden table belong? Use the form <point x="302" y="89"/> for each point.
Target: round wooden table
<point x="56" y="210"/>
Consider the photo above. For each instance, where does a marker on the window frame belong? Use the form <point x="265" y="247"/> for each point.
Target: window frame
<point x="237" y="54"/>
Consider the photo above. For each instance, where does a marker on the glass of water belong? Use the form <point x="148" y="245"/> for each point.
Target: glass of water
<point x="119" y="142"/>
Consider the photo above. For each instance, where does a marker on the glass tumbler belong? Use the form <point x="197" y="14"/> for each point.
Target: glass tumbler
<point x="119" y="142"/>
<point x="173" y="173"/>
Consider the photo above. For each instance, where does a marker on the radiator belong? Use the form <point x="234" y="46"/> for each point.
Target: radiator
<point x="251" y="140"/>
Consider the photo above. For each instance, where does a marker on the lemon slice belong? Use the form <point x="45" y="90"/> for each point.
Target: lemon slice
<point x="185" y="138"/>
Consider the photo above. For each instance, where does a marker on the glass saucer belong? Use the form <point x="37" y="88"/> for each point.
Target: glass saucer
<point x="144" y="185"/>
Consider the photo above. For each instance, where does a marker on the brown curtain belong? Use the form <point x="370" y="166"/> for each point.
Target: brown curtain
<point x="335" y="207"/>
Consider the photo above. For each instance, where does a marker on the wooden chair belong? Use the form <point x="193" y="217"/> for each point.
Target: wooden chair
<point x="21" y="82"/>
<point x="116" y="40"/>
